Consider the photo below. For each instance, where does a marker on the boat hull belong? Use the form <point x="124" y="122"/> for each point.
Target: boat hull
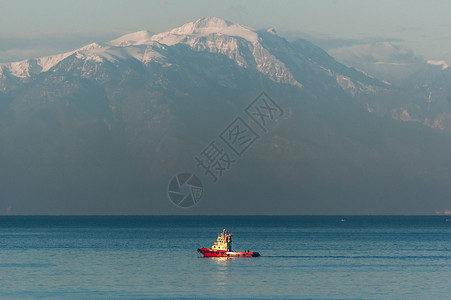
<point x="207" y="252"/>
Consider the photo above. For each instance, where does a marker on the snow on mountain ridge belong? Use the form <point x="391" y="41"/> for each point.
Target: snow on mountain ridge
<point x="201" y="27"/>
<point x="244" y="46"/>
<point x="210" y="34"/>
<point x="219" y="36"/>
<point x="48" y="62"/>
<point x="442" y="63"/>
<point x="92" y="52"/>
<point x="29" y="67"/>
<point x="211" y="25"/>
<point x="134" y="38"/>
<point x="216" y="31"/>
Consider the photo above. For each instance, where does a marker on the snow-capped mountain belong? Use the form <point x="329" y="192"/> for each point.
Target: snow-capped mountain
<point x="298" y="64"/>
<point x="264" y="51"/>
<point x="115" y="121"/>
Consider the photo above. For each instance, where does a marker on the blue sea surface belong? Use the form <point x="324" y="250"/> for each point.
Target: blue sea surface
<point x="303" y="257"/>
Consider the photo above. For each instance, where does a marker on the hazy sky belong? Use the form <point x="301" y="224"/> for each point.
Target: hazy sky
<point x="30" y="28"/>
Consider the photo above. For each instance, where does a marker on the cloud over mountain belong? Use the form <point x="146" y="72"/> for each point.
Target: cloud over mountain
<point x="384" y="60"/>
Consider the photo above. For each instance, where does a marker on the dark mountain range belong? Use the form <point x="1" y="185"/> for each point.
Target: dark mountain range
<point x="102" y="129"/>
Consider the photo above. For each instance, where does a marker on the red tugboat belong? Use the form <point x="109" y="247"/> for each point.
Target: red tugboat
<point x="223" y="248"/>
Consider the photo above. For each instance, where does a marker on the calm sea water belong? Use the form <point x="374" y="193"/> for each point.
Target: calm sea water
<point x="324" y="257"/>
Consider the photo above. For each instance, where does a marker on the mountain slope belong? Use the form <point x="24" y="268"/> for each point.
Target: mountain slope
<point x="103" y="128"/>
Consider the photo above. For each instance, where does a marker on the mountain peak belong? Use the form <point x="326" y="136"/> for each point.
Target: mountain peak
<point x="204" y="27"/>
<point x="134" y="38"/>
<point x="207" y="22"/>
<point x="201" y="27"/>
<point x="89" y="47"/>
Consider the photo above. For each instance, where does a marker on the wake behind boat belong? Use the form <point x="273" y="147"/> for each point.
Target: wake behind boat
<point x="223" y="248"/>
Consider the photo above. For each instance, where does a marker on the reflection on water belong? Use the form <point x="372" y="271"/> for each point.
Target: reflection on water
<point x="222" y="261"/>
<point x="151" y="257"/>
<point x="220" y="270"/>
